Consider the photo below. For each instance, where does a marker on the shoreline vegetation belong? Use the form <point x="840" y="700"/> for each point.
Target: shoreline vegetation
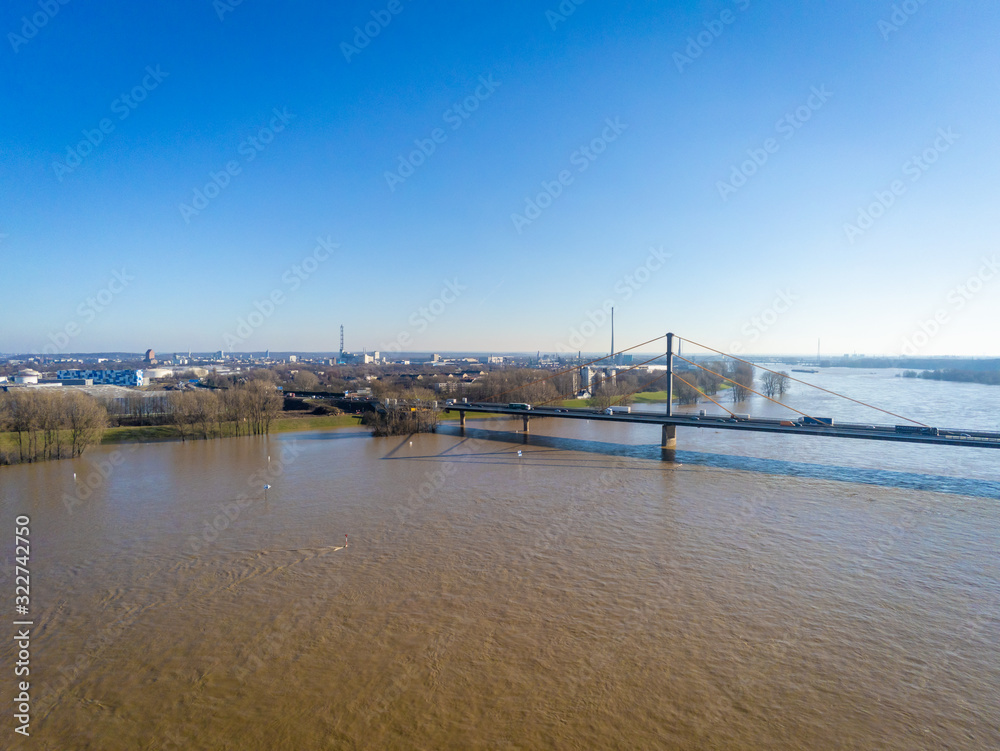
<point x="401" y="422"/>
<point x="162" y="433"/>
<point x="987" y="377"/>
<point x="42" y="424"/>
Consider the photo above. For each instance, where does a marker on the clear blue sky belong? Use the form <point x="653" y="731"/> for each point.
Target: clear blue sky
<point x="440" y="252"/>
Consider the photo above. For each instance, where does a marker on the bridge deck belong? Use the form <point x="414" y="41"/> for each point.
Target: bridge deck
<point x="945" y="436"/>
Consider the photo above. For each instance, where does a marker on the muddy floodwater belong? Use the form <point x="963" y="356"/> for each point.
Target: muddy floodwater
<point x="747" y="592"/>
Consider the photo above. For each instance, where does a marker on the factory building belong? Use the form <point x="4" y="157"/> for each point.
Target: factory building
<point x="112" y="377"/>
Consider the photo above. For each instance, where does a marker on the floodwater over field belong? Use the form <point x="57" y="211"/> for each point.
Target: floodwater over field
<point x="748" y="592"/>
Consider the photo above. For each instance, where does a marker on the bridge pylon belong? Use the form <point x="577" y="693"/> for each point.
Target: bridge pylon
<point x="670" y="373"/>
<point x="669" y="437"/>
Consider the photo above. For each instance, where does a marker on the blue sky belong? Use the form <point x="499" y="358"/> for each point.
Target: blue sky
<point x="749" y="175"/>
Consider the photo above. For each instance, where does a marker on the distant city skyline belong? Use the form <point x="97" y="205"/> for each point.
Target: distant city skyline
<point x="239" y="177"/>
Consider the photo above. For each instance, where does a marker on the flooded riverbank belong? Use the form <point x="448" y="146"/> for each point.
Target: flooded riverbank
<point x="576" y="595"/>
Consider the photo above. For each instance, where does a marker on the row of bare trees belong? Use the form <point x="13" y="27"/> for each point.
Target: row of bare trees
<point x="689" y="385"/>
<point x="774" y="384"/>
<point x="50" y="424"/>
<point x="137" y="408"/>
<point x="47" y="424"/>
<point x="710" y="379"/>
<point x="738" y="375"/>
<point x="245" y="409"/>
<point x="516" y="385"/>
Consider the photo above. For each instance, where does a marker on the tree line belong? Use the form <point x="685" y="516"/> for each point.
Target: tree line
<point x="244" y="409"/>
<point x="962" y="376"/>
<point x="524" y="385"/>
<point x="47" y="424"/>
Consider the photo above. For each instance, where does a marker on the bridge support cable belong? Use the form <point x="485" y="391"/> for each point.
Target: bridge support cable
<point x="577" y="367"/>
<point x="805" y="383"/>
<point x="781" y="404"/>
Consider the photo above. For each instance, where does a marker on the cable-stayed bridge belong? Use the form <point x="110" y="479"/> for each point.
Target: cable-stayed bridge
<point x="902" y="429"/>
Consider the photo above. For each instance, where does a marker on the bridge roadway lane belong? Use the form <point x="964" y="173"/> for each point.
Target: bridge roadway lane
<point x="946" y="436"/>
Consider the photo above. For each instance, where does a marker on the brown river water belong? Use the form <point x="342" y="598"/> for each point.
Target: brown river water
<point x="746" y="592"/>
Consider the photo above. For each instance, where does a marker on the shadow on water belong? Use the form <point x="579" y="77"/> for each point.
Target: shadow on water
<point x="885" y="478"/>
<point x="336" y="434"/>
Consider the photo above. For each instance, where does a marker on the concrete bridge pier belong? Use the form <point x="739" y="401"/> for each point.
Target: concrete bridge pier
<point x="461" y="419"/>
<point x="525" y="423"/>
<point x="669" y="439"/>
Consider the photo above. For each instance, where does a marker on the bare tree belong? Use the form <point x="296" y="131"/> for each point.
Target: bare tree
<point x="774" y="383"/>
<point x="741" y="380"/>
<point x="709" y="382"/>
<point x="24" y="422"/>
<point x="182" y="409"/>
<point x="686" y="394"/>
<point x="204" y="408"/>
<point x="86" y="420"/>
<point x="263" y="403"/>
<point x="234" y="409"/>
<point x="784" y="383"/>
<point x="769" y="383"/>
<point x="50" y="420"/>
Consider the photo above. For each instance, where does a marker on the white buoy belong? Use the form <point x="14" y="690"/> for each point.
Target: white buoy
<point x="519" y="452"/>
<point x="74" y="475"/>
<point x="266" y="487"/>
<point x="411" y="443"/>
